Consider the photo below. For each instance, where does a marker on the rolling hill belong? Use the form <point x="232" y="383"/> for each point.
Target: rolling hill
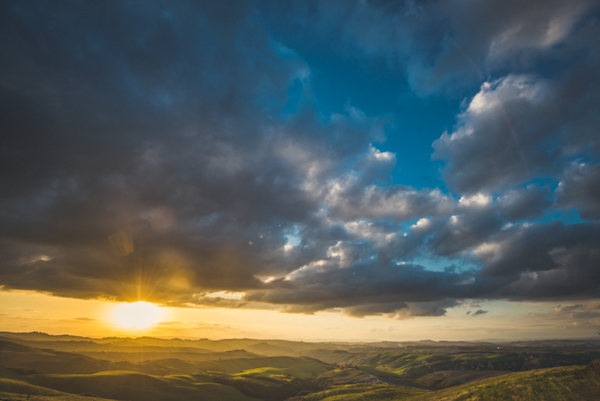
<point x="176" y="370"/>
<point x="571" y="383"/>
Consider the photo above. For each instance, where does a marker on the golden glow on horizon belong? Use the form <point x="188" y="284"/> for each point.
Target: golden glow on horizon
<point x="137" y="315"/>
<point x="27" y="311"/>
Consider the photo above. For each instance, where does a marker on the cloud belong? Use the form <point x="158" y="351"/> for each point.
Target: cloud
<point x="350" y="198"/>
<point x="581" y="316"/>
<point x="402" y="311"/>
<point x="365" y="288"/>
<point x="160" y="157"/>
<point x="498" y="136"/>
<point x="153" y="161"/>
<point x="529" y="202"/>
<point x="172" y="323"/>
<point x="579" y="188"/>
<point x="544" y="261"/>
<point x="479" y="312"/>
<point x="432" y="42"/>
<point x="127" y="126"/>
<point x="463" y="231"/>
<point x="522" y="125"/>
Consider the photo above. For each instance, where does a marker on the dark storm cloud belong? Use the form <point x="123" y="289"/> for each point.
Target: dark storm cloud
<point x="116" y="112"/>
<point x="366" y="288"/>
<point x="142" y="148"/>
<point x="544" y="261"/>
<point x="148" y="151"/>
<point x="580" y="188"/>
<point x="404" y="310"/>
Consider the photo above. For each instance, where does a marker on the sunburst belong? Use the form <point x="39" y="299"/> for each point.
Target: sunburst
<point x="137" y="315"/>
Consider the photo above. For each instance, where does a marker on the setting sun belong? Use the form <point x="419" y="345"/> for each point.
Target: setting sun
<point x="137" y="315"/>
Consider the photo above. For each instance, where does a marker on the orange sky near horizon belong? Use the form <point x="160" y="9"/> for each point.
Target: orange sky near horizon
<point x="25" y="311"/>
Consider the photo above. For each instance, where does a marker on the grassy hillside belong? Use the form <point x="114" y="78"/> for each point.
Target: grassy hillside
<point x="572" y="383"/>
<point x="42" y="360"/>
<point x="141" y="356"/>
<point x="5" y="396"/>
<point x="13" y="388"/>
<point x="413" y="366"/>
<point x="450" y="378"/>
<point x="356" y="384"/>
<point x="18" y="356"/>
<point x="21" y="387"/>
<point x="269" y="384"/>
<point x="137" y="369"/>
<point x="134" y="386"/>
<point x="362" y="392"/>
<point x="331" y="356"/>
<point x="150" y="344"/>
<point x="44" y="373"/>
<point x="298" y="367"/>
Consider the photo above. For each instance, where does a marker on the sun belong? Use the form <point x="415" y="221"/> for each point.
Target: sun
<point x="137" y="315"/>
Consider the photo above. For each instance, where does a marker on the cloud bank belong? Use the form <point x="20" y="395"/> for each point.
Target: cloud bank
<point x="148" y="150"/>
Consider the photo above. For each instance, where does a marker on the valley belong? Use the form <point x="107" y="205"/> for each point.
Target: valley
<point x="41" y="367"/>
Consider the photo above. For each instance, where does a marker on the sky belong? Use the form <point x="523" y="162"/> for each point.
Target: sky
<point x="317" y="170"/>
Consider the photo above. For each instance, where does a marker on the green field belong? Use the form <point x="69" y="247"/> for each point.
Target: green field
<point x="572" y="383"/>
<point x="554" y="384"/>
<point x="136" y="386"/>
<point x="298" y="367"/>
